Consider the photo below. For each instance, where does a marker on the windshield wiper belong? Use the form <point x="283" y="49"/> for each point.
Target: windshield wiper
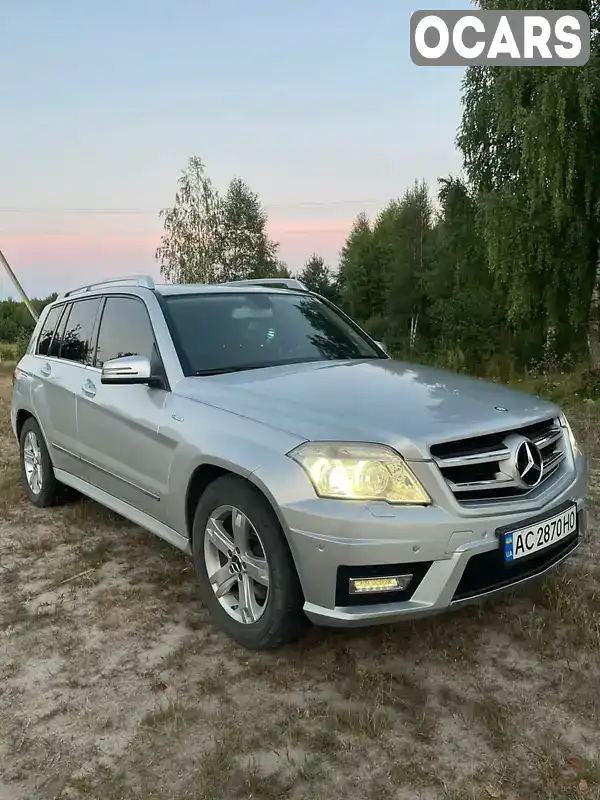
<point x="219" y="371"/>
<point x="239" y="368"/>
<point x="278" y="363"/>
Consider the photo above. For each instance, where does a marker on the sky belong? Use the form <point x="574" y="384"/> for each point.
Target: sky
<point x="315" y="104"/>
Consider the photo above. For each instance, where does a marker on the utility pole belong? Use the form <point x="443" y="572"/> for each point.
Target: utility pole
<point x="20" y="289"/>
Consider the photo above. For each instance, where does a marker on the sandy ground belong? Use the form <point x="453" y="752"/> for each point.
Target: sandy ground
<point x="114" y="684"/>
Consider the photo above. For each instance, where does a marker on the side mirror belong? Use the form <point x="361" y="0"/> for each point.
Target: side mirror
<point x="129" y="370"/>
<point x="383" y="347"/>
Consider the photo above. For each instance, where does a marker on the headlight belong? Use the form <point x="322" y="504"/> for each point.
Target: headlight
<point x="359" y="472"/>
<point x="574" y="445"/>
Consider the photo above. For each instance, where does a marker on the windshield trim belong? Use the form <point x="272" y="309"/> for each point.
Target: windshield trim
<point x="187" y="368"/>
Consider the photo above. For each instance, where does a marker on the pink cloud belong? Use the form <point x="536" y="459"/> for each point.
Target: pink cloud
<point x="298" y="239"/>
<point x="285" y="227"/>
<point x="39" y="246"/>
<point x="44" y="261"/>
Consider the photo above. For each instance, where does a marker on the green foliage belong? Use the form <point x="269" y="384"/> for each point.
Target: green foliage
<point x="530" y="143"/>
<point x="361" y="272"/>
<point x="209" y="238"/>
<point x="507" y="273"/>
<point x="280" y="270"/>
<point x="403" y="237"/>
<point x="421" y="282"/>
<point x="190" y="247"/>
<point x="318" y="277"/>
<point x="21" y="345"/>
<point x="15" y="320"/>
<point x="464" y="304"/>
<point x="246" y="251"/>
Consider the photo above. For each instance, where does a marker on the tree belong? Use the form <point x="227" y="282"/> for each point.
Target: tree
<point x="360" y="278"/>
<point x="317" y="277"/>
<point x="280" y="270"/>
<point x="465" y="310"/>
<point x="190" y="248"/>
<point x="15" y="319"/>
<point x="209" y="238"/>
<point x="403" y="234"/>
<point x="246" y="250"/>
<point x="530" y="143"/>
<point x="382" y="267"/>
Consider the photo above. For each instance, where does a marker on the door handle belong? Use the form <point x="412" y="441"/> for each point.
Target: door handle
<point x="88" y="388"/>
<point x="46" y="370"/>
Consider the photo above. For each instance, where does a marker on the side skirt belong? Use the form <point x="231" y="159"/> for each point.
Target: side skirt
<point x="125" y="510"/>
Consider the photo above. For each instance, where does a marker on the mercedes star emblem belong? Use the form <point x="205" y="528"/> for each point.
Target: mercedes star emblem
<point x="529" y="463"/>
<point x="523" y="463"/>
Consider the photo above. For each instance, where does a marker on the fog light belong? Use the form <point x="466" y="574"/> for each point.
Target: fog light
<point x="393" y="583"/>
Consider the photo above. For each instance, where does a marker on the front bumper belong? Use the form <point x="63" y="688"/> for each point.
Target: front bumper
<point x="440" y="588"/>
<point x="455" y="557"/>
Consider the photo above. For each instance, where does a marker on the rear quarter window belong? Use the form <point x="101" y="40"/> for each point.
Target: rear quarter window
<point x="46" y="334"/>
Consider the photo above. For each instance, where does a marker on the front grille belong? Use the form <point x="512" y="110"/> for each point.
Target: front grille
<point x="477" y="469"/>
<point x="418" y="569"/>
<point x="488" y="571"/>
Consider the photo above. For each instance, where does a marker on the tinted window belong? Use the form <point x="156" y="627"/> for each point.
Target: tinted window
<point x="60" y="332"/>
<point x="237" y="331"/>
<point x="43" y="345"/>
<point x="76" y="339"/>
<point x="125" y="330"/>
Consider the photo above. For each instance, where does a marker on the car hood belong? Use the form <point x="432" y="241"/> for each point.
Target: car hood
<point x="407" y="406"/>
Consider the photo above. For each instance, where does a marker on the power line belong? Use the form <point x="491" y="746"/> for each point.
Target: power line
<point x="147" y="212"/>
<point x="299" y="231"/>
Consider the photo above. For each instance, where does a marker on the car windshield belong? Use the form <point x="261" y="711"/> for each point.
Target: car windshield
<point x="230" y="331"/>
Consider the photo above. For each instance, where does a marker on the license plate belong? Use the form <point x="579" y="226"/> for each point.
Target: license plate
<point x="538" y="535"/>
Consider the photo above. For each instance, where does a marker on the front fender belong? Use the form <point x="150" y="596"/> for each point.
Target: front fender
<point x="210" y="436"/>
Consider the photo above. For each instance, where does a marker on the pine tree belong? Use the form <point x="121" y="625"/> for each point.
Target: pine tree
<point x="360" y="282"/>
<point x="246" y="250"/>
<point x="317" y="277"/>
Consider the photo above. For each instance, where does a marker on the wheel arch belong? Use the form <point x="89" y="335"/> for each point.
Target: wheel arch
<point x="206" y="473"/>
<point x="21" y="418"/>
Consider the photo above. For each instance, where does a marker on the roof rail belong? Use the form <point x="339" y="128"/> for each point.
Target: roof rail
<point x="128" y="280"/>
<point x="285" y="283"/>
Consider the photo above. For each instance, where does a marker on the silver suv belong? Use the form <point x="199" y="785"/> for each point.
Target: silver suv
<point x="256" y="427"/>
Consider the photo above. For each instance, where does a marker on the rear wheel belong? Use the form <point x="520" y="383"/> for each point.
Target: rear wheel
<point x="247" y="577"/>
<point x="37" y="472"/>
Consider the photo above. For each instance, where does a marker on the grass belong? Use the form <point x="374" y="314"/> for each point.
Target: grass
<point x="9" y="351"/>
<point x="114" y="684"/>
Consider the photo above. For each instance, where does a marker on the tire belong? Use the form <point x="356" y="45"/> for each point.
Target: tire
<point x="279" y="618"/>
<point x="49" y="491"/>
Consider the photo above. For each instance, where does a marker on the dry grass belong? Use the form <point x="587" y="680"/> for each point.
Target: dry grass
<point x="114" y="685"/>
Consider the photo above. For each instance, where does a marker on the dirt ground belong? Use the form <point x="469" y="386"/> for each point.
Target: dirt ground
<point x="114" y="684"/>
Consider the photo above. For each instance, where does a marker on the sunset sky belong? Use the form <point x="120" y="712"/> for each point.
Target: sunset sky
<point x="315" y="104"/>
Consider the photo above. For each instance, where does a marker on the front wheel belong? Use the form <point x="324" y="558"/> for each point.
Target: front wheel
<point x="245" y="570"/>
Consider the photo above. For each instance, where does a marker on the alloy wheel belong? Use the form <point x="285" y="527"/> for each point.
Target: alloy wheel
<point x="236" y="564"/>
<point x="32" y="461"/>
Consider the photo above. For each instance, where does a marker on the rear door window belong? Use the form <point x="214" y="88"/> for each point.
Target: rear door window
<point x="76" y="339"/>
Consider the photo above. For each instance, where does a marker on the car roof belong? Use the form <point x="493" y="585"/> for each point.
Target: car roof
<point x="213" y="288"/>
<point x="138" y="284"/>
